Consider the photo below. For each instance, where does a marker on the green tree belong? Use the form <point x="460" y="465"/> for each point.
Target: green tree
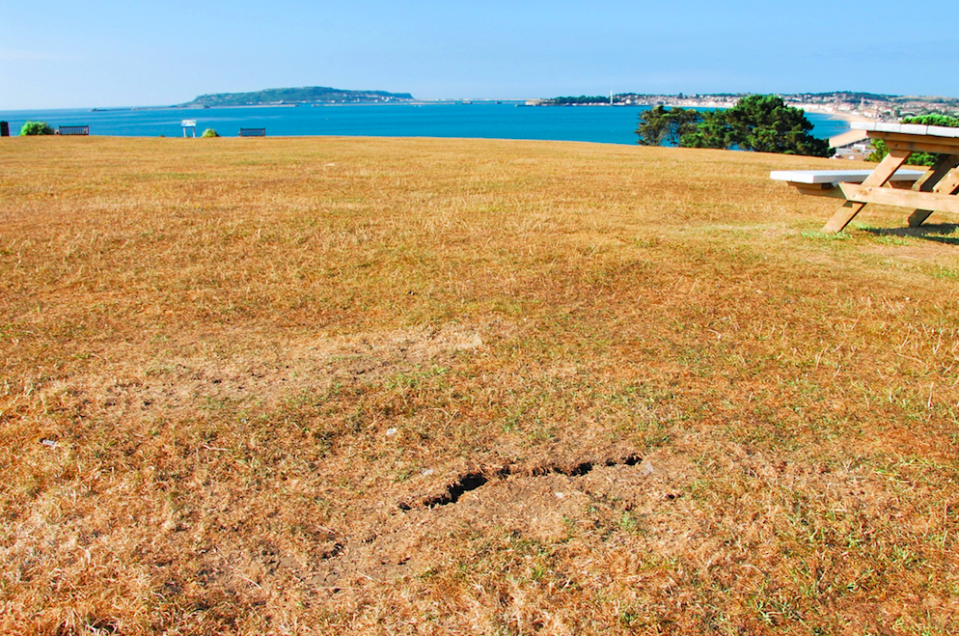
<point x="764" y="123"/>
<point x="660" y="126"/>
<point x="880" y="150"/>
<point x="711" y="132"/>
<point x="653" y="126"/>
<point x="36" y="128"/>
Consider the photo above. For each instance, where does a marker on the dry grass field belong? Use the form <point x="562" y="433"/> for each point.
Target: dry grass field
<point x="392" y="386"/>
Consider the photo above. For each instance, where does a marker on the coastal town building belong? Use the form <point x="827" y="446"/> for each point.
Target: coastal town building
<point x="854" y="145"/>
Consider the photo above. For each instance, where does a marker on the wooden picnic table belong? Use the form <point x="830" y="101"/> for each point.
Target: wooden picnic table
<point x="932" y="190"/>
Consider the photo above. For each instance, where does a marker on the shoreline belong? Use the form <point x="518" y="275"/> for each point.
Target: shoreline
<point x="850" y="117"/>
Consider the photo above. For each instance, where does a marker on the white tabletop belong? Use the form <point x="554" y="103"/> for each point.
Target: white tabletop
<point x="908" y="129"/>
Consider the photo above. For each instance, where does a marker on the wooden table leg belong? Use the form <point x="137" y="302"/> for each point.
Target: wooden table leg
<point x="931" y="183"/>
<point x="949" y="185"/>
<point x="893" y="161"/>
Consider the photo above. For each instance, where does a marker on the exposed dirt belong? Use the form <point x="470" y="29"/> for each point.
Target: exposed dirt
<point x="543" y="503"/>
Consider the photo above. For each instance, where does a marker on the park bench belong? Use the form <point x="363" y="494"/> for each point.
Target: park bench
<point x="73" y="130"/>
<point x="821" y="182"/>
<point x="253" y="132"/>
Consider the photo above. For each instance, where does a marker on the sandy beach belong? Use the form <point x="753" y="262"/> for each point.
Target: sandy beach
<point x="815" y="108"/>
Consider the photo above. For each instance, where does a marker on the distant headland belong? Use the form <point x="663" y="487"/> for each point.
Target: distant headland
<point x="293" y="96"/>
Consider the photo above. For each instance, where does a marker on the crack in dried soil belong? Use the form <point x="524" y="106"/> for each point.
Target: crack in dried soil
<point x="476" y="479"/>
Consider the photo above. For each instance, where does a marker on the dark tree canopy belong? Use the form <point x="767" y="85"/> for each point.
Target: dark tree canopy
<point x="763" y="123"/>
<point x="660" y="126"/>
<point x="711" y="132"/>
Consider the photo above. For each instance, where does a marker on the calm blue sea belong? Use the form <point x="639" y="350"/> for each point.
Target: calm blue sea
<point x="602" y="124"/>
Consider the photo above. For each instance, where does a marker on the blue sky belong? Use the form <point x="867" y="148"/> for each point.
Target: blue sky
<point x="59" y="54"/>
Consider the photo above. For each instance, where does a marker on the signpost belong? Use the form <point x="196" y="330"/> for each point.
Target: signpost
<point x="189" y="124"/>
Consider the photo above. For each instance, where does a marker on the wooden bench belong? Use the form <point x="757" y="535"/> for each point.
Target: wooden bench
<point x="73" y="130"/>
<point x="253" y="132"/>
<point x="824" y="182"/>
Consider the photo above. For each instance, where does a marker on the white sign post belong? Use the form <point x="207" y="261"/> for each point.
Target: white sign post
<point x="191" y="124"/>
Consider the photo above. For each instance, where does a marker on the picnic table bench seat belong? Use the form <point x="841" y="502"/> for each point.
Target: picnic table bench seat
<point x="832" y="177"/>
<point x="253" y="132"/>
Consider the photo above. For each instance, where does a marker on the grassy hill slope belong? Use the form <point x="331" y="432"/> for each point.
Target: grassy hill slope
<point x="450" y="386"/>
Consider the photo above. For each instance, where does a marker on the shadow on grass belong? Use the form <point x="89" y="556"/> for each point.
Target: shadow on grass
<point x="938" y="232"/>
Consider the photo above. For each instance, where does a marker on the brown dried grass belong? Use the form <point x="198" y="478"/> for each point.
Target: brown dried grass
<point x="262" y="360"/>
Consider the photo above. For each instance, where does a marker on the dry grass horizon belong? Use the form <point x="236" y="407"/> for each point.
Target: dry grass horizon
<point x="445" y="386"/>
